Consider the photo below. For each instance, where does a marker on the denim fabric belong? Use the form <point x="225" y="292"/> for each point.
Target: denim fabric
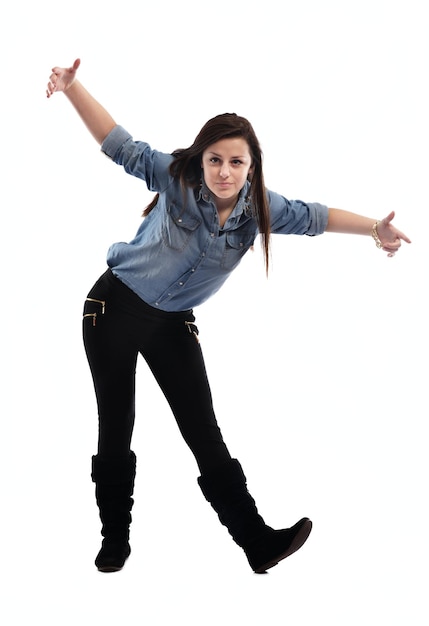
<point x="180" y="256"/>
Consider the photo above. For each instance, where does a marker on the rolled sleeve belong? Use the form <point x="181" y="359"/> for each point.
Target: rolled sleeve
<point x="138" y="159"/>
<point x="295" y="217"/>
<point x="114" y="141"/>
<point x="318" y="218"/>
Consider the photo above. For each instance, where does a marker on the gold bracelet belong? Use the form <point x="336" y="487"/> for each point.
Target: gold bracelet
<point x="375" y="236"/>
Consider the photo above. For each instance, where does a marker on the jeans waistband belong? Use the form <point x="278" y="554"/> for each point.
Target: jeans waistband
<point x="110" y="286"/>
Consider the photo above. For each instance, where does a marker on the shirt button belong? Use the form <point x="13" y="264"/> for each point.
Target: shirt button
<point x="181" y="284"/>
<point x="211" y="234"/>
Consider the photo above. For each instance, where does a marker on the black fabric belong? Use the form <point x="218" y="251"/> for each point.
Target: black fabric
<point x="226" y="490"/>
<point x="114" y="486"/>
<point x="117" y="326"/>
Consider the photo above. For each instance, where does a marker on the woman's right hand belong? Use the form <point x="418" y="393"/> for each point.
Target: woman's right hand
<point x="62" y="78"/>
<point x="98" y="121"/>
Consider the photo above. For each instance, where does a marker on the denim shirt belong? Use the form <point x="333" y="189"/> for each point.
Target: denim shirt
<point x="180" y="255"/>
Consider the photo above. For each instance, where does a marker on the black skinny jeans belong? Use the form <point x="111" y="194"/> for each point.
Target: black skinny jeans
<point x="117" y="326"/>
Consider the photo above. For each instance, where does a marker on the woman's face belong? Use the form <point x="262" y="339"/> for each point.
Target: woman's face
<point x="226" y="165"/>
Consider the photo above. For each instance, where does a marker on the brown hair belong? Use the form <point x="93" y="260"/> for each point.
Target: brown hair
<point x="187" y="167"/>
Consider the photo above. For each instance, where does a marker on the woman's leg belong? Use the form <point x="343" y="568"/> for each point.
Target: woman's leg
<point x="176" y="361"/>
<point x="112" y="359"/>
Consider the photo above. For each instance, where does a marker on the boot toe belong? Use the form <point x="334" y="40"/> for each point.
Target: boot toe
<point x="112" y="556"/>
<point x="276" y="545"/>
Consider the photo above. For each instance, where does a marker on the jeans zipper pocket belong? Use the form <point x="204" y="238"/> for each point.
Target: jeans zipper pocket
<point x="192" y="328"/>
<point x="93" y="315"/>
<point x="102" y="303"/>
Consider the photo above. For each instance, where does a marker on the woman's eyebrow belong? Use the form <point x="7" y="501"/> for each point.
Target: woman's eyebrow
<point x="232" y="157"/>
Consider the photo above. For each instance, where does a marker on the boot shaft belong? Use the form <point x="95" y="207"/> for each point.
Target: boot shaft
<point x="114" y="487"/>
<point x="226" y="490"/>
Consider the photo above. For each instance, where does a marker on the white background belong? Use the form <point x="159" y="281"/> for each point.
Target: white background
<point x="319" y="374"/>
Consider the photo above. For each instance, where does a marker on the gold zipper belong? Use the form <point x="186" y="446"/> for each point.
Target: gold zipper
<point x="102" y="302"/>
<point x="94" y="315"/>
<point x="191" y="327"/>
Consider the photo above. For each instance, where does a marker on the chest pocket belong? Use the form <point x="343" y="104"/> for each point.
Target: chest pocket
<point x="179" y="227"/>
<point x="236" y="245"/>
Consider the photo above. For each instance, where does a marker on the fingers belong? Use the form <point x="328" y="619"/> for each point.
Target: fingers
<point x="74" y="67"/>
<point x="388" y="218"/>
<point x="50" y="87"/>
<point x="399" y="235"/>
<point x="61" y="78"/>
<point x="403" y="237"/>
<point x="392" y="246"/>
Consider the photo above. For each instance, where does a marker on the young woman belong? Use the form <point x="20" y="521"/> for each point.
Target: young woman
<point x="210" y="204"/>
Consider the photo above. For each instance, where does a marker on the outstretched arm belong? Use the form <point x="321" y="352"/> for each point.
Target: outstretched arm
<point x="389" y="238"/>
<point x="98" y="121"/>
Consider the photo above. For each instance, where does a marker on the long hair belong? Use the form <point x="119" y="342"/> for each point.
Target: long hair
<point x="186" y="167"/>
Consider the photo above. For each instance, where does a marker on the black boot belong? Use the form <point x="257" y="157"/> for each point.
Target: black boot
<point x="226" y="490"/>
<point x="114" y="485"/>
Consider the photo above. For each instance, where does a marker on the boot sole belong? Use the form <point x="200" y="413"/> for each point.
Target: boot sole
<point x="109" y="563"/>
<point x="109" y="569"/>
<point x="297" y="542"/>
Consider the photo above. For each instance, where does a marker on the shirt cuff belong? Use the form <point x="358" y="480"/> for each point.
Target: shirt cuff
<point x="114" y="141"/>
<point x="319" y="222"/>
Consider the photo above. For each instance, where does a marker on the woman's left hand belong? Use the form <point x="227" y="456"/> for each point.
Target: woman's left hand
<point x="390" y="237"/>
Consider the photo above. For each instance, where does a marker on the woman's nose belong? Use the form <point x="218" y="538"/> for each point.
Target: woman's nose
<point x="224" y="170"/>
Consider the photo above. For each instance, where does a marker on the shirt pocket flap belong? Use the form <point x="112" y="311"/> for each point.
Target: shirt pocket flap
<point x="240" y="241"/>
<point x="182" y="218"/>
